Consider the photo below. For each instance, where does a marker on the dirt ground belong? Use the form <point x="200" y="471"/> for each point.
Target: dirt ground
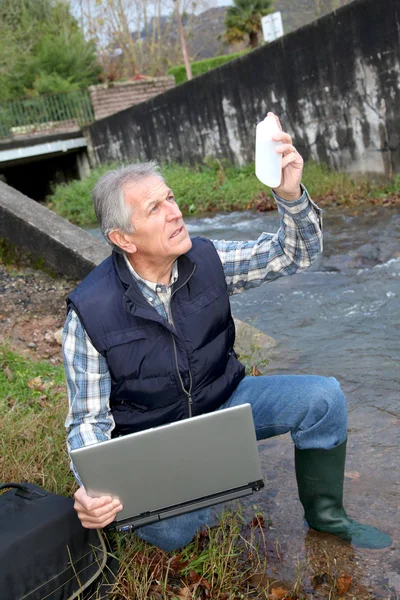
<point x="32" y="310"/>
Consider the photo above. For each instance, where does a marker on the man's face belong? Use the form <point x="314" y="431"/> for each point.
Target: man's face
<point x="160" y="232"/>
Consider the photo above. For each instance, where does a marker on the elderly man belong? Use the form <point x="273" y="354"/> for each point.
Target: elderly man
<point x="149" y="340"/>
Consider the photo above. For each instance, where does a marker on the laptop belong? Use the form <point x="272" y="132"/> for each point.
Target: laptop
<point x="175" y="468"/>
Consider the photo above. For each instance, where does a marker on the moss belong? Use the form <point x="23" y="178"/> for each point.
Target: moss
<point x="15" y="257"/>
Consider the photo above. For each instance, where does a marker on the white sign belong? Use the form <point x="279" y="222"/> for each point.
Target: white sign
<point x="272" y="26"/>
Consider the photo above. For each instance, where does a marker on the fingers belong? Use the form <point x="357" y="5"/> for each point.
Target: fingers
<point x="87" y="502"/>
<point x="271" y="114"/>
<point x="294" y="159"/>
<point x="285" y="149"/>
<point x="92" y="522"/>
<point x="281" y="136"/>
<point x="95" y="513"/>
<point x="289" y="155"/>
<point x="291" y="177"/>
<point x="98" y="511"/>
<point x="95" y="524"/>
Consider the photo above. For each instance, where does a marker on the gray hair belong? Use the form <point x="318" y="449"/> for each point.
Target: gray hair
<point x="111" y="210"/>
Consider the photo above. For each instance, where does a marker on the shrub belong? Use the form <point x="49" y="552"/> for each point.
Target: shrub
<point x="217" y="185"/>
<point x="202" y="66"/>
<point x="73" y="200"/>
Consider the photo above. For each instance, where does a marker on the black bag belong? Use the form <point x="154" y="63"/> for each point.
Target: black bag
<point x="45" y="553"/>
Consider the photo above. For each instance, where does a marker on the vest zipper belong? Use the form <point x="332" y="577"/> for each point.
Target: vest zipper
<point x="187" y="392"/>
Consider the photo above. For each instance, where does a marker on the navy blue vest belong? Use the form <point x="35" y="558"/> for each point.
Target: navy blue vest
<point x="162" y="373"/>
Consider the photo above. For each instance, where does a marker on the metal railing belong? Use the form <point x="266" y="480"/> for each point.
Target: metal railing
<point x="44" y="113"/>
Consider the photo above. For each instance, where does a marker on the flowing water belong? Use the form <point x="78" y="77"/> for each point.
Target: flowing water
<point x="339" y="318"/>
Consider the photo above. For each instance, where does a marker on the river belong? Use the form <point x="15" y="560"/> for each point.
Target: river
<point x="339" y="318"/>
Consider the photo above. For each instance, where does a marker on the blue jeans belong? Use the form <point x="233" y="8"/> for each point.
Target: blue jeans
<point x="312" y="408"/>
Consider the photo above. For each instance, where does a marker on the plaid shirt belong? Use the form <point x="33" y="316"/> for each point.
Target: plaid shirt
<point x="246" y="265"/>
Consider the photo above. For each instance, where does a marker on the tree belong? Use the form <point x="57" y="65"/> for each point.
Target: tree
<point x="183" y="42"/>
<point x="244" y="19"/>
<point x="131" y="36"/>
<point x="42" y="49"/>
<point x="135" y="37"/>
<point x="62" y="51"/>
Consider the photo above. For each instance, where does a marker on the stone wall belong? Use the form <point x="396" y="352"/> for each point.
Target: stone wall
<point x="112" y="98"/>
<point x="335" y="84"/>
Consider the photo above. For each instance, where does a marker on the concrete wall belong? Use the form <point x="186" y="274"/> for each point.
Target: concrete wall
<point x="32" y="228"/>
<point x="112" y="98"/>
<point x="335" y="84"/>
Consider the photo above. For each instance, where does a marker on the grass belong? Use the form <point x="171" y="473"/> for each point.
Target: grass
<point x="236" y="559"/>
<point x="217" y="185"/>
<point x="220" y="563"/>
<point x="33" y="408"/>
<point x="332" y="187"/>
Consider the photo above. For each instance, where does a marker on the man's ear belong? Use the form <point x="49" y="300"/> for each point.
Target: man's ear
<point x="122" y="240"/>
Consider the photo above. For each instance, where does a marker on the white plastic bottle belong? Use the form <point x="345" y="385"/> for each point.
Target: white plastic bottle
<point x="268" y="161"/>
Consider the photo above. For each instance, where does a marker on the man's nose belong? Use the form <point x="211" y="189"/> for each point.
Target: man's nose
<point x="173" y="212"/>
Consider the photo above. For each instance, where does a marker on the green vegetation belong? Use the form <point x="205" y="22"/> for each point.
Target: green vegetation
<point x="216" y="185"/>
<point x="213" y="185"/>
<point x="42" y="49"/>
<point x="243" y="20"/>
<point x="33" y="408"/>
<point x="9" y="255"/>
<point x="238" y="558"/>
<point x="73" y="200"/>
<point x="202" y="66"/>
<point x="219" y="564"/>
<point x="13" y="257"/>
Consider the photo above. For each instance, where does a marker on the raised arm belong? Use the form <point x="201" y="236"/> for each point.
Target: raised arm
<point x="293" y="248"/>
<point x="295" y="245"/>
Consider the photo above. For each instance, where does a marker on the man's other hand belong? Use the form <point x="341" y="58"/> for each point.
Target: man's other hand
<point x="292" y="166"/>
<point x="95" y="513"/>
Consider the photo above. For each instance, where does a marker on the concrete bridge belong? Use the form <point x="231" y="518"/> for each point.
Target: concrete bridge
<point x="29" y="162"/>
<point x="41" y="141"/>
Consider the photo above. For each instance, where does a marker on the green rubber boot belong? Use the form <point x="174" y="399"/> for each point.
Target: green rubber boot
<point x="320" y="476"/>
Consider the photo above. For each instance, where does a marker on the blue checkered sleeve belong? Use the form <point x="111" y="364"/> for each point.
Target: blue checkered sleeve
<point x="89" y="418"/>
<point x="293" y="248"/>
